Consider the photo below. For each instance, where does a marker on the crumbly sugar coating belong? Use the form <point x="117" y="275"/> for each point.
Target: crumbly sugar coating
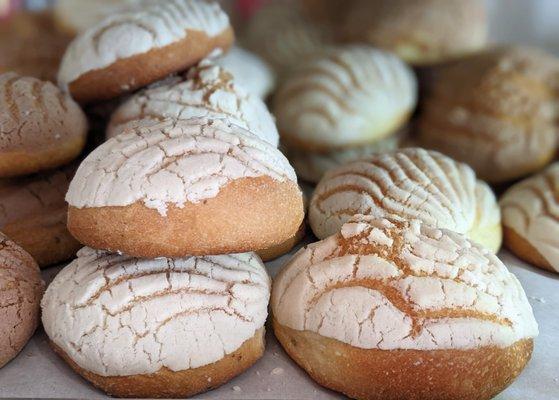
<point x="114" y="315"/>
<point x="392" y="284"/>
<point x="173" y="162"/>
<point x="205" y="91"/>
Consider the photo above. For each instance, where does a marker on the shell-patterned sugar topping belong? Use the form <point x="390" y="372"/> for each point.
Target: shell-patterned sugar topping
<point x="350" y="96"/>
<point x="173" y="162"/>
<point x="393" y="284"/>
<point x="207" y="90"/>
<point x="35" y="114"/>
<point x="412" y="184"/>
<point x="281" y="35"/>
<point x="154" y="25"/>
<point x="531" y="209"/>
<point x="115" y="315"/>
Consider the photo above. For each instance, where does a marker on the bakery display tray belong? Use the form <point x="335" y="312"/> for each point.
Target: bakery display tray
<point x="38" y="373"/>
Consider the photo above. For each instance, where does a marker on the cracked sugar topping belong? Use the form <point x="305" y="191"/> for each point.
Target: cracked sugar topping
<point x="207" y="90"/>
<point x="346" y="96"/>
<point x="173" y="162"/>
<point x="157" y="24"/>
<point x="413" y="184"/>
<point x="21" y="288"/>
<point x="531" y="209"/>
<point x="393" y="284"/>
<point x="115" y="315"/>
<point x="35" y="114"/>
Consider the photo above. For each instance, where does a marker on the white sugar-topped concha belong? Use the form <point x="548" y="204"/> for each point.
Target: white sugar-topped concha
<point x="249" y="70"/>
<point x="136" y="31"/>
<point x="393" y="284"/>
<point x="173" y="163"/>
<point x="412" y="184"/>
<point x="531" y="210"/>
<point x="207" y="90"/>
<point x="115" y="315"/>
<point x="350" y="96"/>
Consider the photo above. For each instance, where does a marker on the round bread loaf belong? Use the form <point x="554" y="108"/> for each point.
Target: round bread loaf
<point x="40" y="126"/>
<point x="132" y="49"/>
<point x="207" y="90"/>
<point x="392" y="309"/>
<point x="30" y="45"/>
<point x="411" y="184"/>
<point x="158" y="328"/>
<point x="77" y="16"/>
<point x="531" y="219"/>
<point x="311" y="166"/>
<point x="497" y="111"/>
<point x="249" y="70"/>
<point x="284" y="37"/>
<point x="188" y="187"/>
<point x="21" y="289"/>
<point x="421" y="32"/>
<point x="349" y="97"/>
<point x="33" y="214"/>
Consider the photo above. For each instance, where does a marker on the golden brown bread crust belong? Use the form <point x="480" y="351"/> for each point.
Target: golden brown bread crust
<point x="248" y="214"/>
<point x="495" y="111"/>
<point x="44" y="236"/>
<point x="271" y="253"/>
<point x="374" y="374"/>
<point x="168" y="384"/>
<point x="129" y="74"/>
<point x="524" y="250"/>
<point x="24" y="162"/>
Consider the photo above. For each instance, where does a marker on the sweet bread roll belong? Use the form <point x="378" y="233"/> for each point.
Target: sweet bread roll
<point x="40" y="126"/>
<point x="189" y="187"/>
<point x="284" y="37"/>
<point x="21" y="289"/>
<point x="132" y="49"/>
<point x="311" y="166"/>
<point x="158" y="328"/>
<point x="392" y="309"/>
<point x="531" y="219"/>
<point x="33" y="214"/>
<point x="30" y="45"/>
<point x="496" y="111"/>
<point x="410" y="184"/>
<point x="249" y="70"/>
<point x="349" y="97"/>
<point x="421" y="32"/>
<point x="207" y="90"/>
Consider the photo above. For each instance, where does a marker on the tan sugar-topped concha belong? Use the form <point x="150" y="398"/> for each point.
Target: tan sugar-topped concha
<point x="134" y="48"/>
<point x="412" y="184"/>
<point x="531" y="219"/>
<point x="207" y="90"/>
<point x="21" y="289"/>
<point x="184" y="187"/>
<point x="392" y="309"/>
<point x="33" y="214"/>
<point x="496" y="111"/>
<point x="348" y="97"/>
<point x="284" y="37"/>
<point x="40" y="126"/>
<point x="422" y="32"/>
<point x="161" y="327"/>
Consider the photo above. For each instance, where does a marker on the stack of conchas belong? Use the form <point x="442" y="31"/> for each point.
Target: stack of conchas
<point x="343" y="105"/>
<point x="169" y="298"/>
<point x="43" y="130"/>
